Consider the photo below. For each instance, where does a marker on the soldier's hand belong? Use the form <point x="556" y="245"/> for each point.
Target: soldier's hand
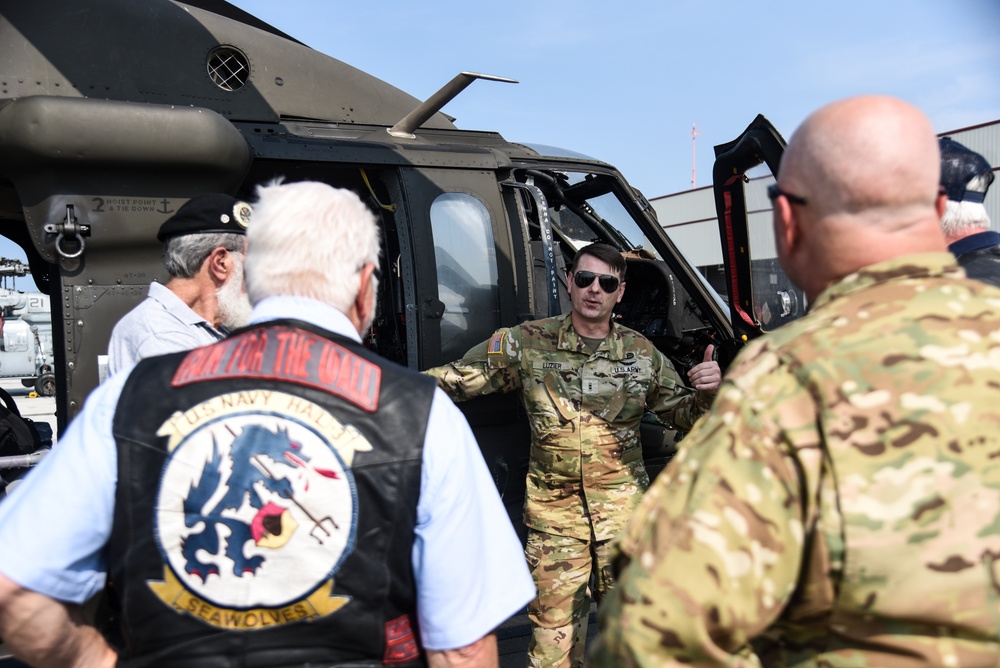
<point x="707" y="375"/>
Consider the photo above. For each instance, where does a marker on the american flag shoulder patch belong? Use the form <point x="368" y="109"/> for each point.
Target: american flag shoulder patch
<point x="496" y="344"/>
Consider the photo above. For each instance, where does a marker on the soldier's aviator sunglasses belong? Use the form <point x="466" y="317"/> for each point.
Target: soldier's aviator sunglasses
<point x="583" y="279"/>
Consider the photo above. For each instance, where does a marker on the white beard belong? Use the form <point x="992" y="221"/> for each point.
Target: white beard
<point x="233" y="304"/>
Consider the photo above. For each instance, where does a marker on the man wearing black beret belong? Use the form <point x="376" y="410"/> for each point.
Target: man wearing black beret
<point x="205" y="247"/>
<point x="965" y="178"/>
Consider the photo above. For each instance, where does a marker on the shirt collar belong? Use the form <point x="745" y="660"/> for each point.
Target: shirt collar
<point x="308" y="310"/>
<point x="975" y="242"/>
<point x="175" y="305"/>
<point x="907" y="267"/>
<point x="612" y="346"/>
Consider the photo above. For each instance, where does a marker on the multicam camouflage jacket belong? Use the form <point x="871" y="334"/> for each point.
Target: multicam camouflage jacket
<point x="840" y="504"/>
<point x="584" y="408"/>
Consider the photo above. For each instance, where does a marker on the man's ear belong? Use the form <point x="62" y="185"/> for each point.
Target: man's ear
<point x="941" y="204"/>
<point x="219" y="264"/>
<point x="364" y="302"/>
<point x="787" y="228"/>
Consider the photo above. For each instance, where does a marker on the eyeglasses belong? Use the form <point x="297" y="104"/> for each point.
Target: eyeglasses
<point x="774" y="192"/>
<point x="583" y="279"/>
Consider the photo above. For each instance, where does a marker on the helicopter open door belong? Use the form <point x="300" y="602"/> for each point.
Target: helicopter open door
<point x="761" y="296"/>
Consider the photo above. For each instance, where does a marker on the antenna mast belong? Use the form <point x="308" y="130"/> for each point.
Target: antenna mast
<point x="694" y="170"/>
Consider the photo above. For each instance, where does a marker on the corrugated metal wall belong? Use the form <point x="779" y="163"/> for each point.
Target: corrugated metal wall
<point x="689" y="217"/>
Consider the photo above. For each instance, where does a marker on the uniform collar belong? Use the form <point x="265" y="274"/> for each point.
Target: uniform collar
<point x="907" y="267"/>
<point x="612" y="347"/>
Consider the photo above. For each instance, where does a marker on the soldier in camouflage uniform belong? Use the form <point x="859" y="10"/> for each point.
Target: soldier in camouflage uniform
<point x="839" y="506"/>
<point x="585" y="383"/>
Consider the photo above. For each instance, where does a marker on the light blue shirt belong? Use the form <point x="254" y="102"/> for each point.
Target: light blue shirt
<point x="470" y="571"/>
<point x="162" y="323"/>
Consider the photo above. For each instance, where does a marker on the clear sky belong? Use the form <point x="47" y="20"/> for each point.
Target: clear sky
<point x="624" y="81"/>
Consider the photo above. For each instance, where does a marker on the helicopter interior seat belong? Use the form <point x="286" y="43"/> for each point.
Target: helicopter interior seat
<point x="649" y="304"/>
<point x="649" y="307"/>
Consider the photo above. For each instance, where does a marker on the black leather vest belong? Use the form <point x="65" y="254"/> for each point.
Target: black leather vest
<point x="266" y="503"/>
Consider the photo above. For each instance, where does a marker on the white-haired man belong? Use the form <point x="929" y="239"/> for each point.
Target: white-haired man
<point x="965" y="178"/>
<point x="205" y="242"/>
<point x="283" y="497"/>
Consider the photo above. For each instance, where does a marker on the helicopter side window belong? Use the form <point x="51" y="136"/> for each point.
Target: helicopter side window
<point x="465" y="256"/>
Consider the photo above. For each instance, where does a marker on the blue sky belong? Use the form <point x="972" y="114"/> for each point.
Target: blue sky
<point x="624" y="81"/>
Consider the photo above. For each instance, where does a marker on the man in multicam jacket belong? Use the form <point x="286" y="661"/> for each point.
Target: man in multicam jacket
<point x="585" y="383"/>
<point x="840" y="504"/>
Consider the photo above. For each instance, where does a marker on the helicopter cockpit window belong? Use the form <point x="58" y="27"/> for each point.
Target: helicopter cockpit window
<point x="598" y="197"/>
<point x="465" y="256"/>
<point x="610" y="209"/>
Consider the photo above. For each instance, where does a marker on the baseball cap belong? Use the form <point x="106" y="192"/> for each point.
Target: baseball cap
<point x="959" y="165"/>
<point x="207" y="214"/>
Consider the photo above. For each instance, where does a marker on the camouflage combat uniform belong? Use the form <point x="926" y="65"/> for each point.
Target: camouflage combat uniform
<point x="585" y="474"/>
<point x="840" y="504"/>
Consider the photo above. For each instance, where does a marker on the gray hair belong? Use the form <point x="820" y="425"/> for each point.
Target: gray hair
<point x="965" y="217"/>
<point x="962" y="218"/>
<point x="185" y="254"/>
<point x="309" y="239"/>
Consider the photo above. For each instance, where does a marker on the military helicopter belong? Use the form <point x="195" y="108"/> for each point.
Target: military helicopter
<point x="104" y="137"/>
<point x="25" y="333"/>
<point x="165" y="100"/>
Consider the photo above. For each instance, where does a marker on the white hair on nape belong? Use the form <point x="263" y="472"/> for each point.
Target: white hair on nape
<point x="963" y="217"/>
<point x="309" y="239"/>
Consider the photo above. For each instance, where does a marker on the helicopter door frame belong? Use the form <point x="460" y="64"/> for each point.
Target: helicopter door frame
<point x="760" y="143"/>
<point x="428" y="344"/>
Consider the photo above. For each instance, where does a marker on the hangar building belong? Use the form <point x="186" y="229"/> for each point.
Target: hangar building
<point x="690" y="219"/>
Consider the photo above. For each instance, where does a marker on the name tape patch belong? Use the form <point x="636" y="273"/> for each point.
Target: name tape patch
<point x="555" y="366"/>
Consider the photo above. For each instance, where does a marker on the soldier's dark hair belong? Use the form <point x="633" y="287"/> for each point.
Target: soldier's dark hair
<point x="609" y="255"/>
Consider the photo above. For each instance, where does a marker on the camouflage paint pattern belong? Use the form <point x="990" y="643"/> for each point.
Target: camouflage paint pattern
<point x="839" y="506"/>
<point x="561" y="567"/>
<point x="585" y="474"/>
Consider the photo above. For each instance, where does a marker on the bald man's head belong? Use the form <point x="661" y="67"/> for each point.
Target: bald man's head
<point x="869" y="169"/>
<point x="864" y="153"/>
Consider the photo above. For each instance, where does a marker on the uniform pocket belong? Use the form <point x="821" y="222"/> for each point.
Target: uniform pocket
<point x="559" y="397"/>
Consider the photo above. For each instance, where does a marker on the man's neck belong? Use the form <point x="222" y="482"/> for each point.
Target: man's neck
<point x="199" y="295"/>
<point x="589" y="329"/>
<point x="952" y="237"/>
